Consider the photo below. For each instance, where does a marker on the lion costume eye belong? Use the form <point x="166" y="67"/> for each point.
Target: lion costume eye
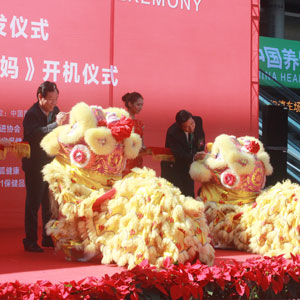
<point x="132" y="146"/>
<point x="80" y="156"/>
<point x="100" y="140"/>
<point x="230" y="179"/>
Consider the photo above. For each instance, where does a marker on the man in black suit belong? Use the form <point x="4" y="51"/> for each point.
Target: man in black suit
<point x="186" y="139"/>
<point x="41" y="118"/>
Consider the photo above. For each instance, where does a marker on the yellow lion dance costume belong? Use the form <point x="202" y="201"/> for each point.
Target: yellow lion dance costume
<point x="123" y="220"/>
<point x="239" y="213"/>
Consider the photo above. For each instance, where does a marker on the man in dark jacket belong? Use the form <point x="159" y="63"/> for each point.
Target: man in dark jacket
<point x="41" y="118"/>
<point x="186" y="139"/>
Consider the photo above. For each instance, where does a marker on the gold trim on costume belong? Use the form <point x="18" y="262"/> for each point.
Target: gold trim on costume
<point x="89" y="178"/>
<point x="18" y="149"/>
<point x="213" y="193"/>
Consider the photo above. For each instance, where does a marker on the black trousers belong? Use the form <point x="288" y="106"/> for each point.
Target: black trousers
<point x="179" y="177"/>
<point x="186" y="184"/>
<point x="37" y="194"/>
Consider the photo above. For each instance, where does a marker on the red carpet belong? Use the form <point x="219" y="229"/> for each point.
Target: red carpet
<point x="27" y="267"/>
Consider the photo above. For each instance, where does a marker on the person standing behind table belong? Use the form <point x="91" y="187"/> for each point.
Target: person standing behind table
<point x="186" y="139"/>
<point x="134" y="103"/>
<point x="41" y="118"/>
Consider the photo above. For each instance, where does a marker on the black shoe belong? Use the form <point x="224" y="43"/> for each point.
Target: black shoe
<point x="34" y="247"/>
<point x="47" y="242"/>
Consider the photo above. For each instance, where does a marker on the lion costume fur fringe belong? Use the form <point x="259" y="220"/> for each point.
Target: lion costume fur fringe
<point x="243" y="215"/>
<point x="123" y="220"/>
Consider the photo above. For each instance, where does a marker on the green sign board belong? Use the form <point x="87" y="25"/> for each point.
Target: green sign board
<point x="280" y="59"/>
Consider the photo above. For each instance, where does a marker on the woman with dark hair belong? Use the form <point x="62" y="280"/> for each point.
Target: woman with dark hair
<point x="134" y="103"/>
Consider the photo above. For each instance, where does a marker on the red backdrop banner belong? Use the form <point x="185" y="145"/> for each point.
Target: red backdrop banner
<point x="179" y="54"/>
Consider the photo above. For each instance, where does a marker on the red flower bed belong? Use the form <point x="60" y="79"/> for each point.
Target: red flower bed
<point x="258" y="278"/>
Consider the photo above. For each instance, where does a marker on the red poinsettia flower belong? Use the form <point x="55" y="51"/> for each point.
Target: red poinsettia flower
<point x="252" y="146"/>
<point x="172" y="281"/>
<point x="121" y="129"/>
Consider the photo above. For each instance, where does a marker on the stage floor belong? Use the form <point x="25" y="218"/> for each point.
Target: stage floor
<point x="27" y="267"/>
